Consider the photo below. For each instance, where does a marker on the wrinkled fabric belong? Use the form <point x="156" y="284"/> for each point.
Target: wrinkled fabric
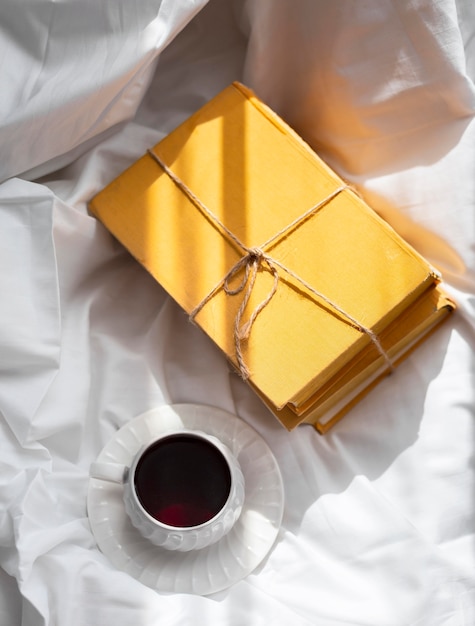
<point x="379" y="516"/>
<point x="73" y="70"/>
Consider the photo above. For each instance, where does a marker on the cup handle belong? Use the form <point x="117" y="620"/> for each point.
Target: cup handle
<point x="112" y="472"/>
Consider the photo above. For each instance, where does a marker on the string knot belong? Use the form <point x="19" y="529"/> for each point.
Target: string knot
<point x="251" y="262"/>
<point x="256" y="254"/>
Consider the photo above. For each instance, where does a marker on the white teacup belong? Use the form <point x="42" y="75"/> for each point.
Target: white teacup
<point x="183" y="491"/>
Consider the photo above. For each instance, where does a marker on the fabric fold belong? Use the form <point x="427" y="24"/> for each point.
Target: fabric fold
<point x="30" y="315"/>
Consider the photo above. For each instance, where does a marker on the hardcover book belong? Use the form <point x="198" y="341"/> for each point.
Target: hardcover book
<point x="311" y="295"/>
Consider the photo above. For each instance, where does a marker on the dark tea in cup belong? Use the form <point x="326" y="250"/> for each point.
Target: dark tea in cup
<point x="182" y="491"/>
<point x="182" y="480"/>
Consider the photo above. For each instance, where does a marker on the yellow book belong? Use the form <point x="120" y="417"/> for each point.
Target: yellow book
<point x="274" y="256"/>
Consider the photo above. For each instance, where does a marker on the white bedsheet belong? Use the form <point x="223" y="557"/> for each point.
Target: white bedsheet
<point x="379" y="519"/>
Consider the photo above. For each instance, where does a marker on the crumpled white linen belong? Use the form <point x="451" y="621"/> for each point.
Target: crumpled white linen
<point x="74" y="70"/>
<point x="379" y="519"/>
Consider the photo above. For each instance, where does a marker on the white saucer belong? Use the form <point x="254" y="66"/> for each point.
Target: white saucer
<point x="211" y="569"/>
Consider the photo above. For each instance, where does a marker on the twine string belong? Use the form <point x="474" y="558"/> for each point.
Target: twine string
<point x="252" y="261"/>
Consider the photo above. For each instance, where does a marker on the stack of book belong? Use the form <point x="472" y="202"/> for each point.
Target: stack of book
<point x="311" y="295"/>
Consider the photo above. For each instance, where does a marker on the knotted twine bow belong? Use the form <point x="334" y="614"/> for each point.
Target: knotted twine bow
<point x="252" y="261"/>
